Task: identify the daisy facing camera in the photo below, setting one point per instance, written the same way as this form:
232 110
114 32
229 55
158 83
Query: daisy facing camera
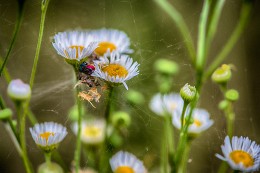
241 154
48 135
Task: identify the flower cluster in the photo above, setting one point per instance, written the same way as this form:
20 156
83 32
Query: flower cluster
103 53
172 104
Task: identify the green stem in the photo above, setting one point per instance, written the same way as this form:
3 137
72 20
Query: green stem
78 142
14 37
48 159
170 134
184 159
109 108
32 117
183 113
214 23
184 135
22 138
109 103
11 129
230 116
5 72
164 149
223 167
201 49
181 25
245 12
44 8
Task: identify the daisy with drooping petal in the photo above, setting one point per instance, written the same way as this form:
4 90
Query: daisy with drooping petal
93 131
48 135
74 45
124 162
200 121
242 154
166 104
116 69
111 40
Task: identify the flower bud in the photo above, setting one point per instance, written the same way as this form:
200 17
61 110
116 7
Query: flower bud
5 114
116 140
222 74
50 168
121 118
232 95
73 112
223 105
166 66
135 97
188 93
18 90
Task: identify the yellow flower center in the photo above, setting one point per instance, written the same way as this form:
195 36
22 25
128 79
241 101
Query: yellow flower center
197 123
115 70
78 49
103 47
239 156
46 135
92 131
173 106
124 169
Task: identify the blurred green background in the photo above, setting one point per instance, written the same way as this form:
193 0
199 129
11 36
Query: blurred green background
153 35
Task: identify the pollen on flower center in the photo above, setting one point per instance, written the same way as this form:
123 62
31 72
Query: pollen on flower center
46 135
242 157
115 70
78 49
124 169
92 131
103 47
173 106
197 123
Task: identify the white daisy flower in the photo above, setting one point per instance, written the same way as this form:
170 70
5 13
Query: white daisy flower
111 40
93 131
48 135
201 121
116 69
74 45
242 154
124 162
166 104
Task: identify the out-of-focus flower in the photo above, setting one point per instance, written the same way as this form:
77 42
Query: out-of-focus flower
93 131
200 121
241 154
166 104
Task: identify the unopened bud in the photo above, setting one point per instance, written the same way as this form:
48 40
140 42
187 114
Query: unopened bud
222 74
49 168
232 95
135 97
18 90
223 105
74 114
188 93
121 118
5 114
166 66
116 140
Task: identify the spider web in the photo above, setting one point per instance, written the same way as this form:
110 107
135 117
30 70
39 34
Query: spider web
153 35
